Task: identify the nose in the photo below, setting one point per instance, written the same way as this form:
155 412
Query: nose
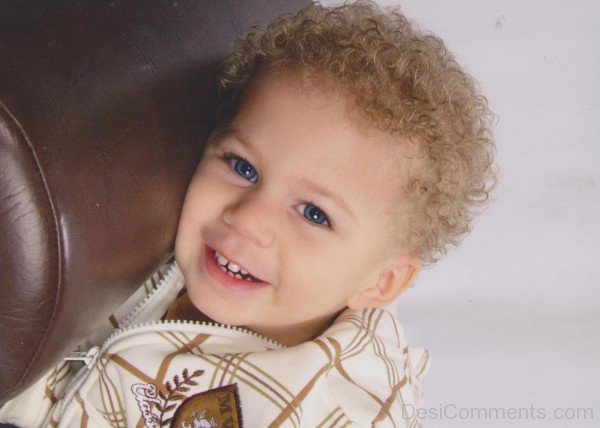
251 218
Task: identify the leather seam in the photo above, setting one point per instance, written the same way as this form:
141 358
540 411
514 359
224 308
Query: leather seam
57 292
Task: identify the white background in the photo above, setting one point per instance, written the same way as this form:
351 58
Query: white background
511 317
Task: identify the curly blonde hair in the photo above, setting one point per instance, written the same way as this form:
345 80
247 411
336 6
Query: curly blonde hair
405 82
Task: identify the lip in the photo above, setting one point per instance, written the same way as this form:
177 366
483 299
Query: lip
231 283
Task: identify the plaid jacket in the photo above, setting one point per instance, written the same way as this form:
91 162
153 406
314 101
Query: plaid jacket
153 373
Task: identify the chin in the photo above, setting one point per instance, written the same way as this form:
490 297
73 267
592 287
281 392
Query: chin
218 313
221 318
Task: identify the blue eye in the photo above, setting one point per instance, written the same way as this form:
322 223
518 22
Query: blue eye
316 215
242 167
245 169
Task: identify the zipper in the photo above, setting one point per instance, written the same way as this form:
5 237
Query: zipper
156 292
165 325
126 328
86 358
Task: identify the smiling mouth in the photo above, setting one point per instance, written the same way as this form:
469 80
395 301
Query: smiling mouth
226 277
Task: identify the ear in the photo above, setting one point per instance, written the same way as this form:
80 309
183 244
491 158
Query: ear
395 278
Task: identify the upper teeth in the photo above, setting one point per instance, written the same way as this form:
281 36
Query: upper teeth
232 266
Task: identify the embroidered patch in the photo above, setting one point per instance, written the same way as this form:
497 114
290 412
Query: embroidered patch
156 406
219 407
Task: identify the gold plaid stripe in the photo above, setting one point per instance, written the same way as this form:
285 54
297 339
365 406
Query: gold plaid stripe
112 406
84 416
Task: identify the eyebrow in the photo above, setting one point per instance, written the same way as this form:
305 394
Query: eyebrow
314 187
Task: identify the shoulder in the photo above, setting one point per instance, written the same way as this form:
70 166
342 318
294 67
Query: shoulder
368 326
375 376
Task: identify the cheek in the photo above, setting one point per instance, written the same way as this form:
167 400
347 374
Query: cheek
203 193
199 203
319 273
346 265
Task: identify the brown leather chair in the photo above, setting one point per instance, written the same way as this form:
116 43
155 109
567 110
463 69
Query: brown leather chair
104 107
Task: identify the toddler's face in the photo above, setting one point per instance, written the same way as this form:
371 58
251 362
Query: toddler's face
260 198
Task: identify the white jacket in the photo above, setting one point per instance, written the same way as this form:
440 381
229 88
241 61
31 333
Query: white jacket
154 373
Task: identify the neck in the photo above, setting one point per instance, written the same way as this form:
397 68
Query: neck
295 334
288 335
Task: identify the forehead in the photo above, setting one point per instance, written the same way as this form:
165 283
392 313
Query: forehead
301 133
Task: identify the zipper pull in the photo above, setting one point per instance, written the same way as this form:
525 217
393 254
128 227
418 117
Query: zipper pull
86 358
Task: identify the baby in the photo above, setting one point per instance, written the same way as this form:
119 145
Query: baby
350 150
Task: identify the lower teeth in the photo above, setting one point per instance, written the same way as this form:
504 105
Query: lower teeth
231 274
237 275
